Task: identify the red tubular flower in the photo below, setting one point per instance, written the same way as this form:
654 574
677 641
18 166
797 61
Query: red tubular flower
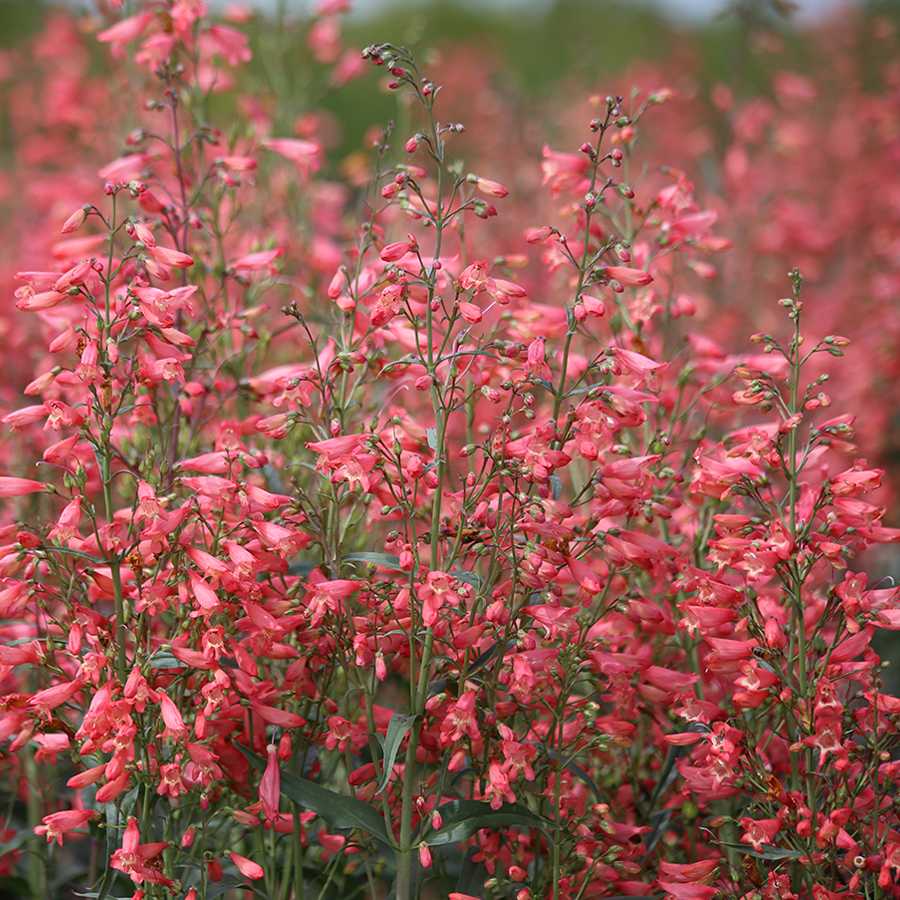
627 276
19 487
760 831
169 257
307 155
58 824
491 188
247 867
133 856
175 728
270 785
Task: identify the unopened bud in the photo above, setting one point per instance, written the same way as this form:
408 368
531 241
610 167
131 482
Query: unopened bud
76 220
539 235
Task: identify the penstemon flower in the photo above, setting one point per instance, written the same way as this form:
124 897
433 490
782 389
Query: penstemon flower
412 547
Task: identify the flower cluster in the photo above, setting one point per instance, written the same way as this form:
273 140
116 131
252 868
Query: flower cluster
383 547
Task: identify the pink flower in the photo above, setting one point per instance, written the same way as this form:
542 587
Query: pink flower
469 311
306 154
459 720
760 831
133 856
227 43
175 729
75 221
270 785
58 824
50 698
74 276
491 188
258 262
628 277
19 487
247 867
539 235
396 252
498 788
565 172
169 257
536 363
124 32
476 278
25 416
126 168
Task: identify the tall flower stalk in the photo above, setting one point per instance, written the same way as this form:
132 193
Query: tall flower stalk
391 549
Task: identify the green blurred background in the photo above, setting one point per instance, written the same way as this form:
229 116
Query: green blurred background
539 42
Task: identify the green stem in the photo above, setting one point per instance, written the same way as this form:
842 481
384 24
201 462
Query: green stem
37 858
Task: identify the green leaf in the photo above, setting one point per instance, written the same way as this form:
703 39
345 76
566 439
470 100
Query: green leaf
68 550
229 884
556 486
585 389
15 885
570 764
387 560
575 769
659 821
462 818
299 567
768 852
243 885
472 578
101 894
669 771
26 834
472 875
162 659
488 656
273 477
339 810
396 731
431 434
115 814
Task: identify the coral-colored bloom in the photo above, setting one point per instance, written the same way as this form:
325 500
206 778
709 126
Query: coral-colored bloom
19 487
247 867
133 856
58 824
306 154
459 720
628 277
175 728
270 785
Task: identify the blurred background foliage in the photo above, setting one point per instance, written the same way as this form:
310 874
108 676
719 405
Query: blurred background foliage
577 43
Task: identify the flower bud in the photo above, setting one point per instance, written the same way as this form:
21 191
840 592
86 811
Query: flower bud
76 220
539 235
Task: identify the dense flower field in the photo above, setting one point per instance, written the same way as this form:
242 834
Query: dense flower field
485 515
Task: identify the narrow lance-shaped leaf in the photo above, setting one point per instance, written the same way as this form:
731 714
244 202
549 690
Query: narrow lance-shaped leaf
397 729
767 852
387 560
339 810
572 766
462 818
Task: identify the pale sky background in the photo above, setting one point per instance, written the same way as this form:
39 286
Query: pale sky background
679 10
